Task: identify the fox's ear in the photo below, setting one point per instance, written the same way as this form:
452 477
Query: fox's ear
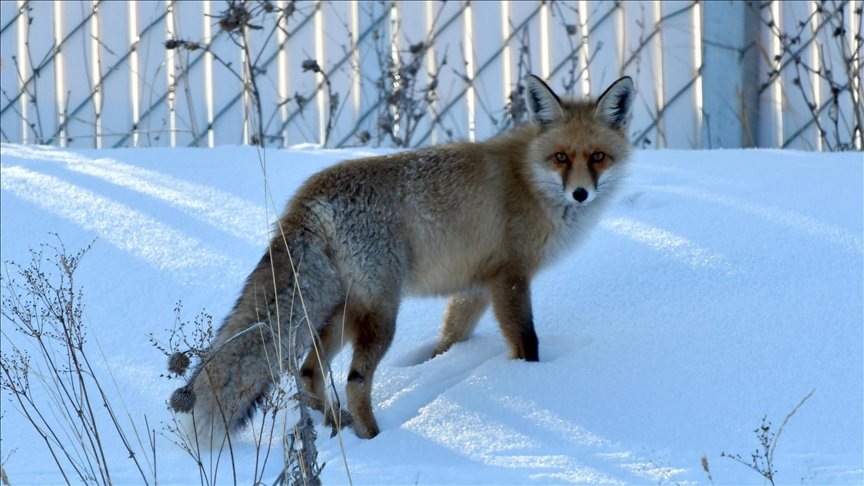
543 104
614 105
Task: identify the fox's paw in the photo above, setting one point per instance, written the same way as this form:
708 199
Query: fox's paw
337 419
441 348
365 430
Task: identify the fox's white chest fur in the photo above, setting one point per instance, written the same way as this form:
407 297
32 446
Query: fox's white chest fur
573 223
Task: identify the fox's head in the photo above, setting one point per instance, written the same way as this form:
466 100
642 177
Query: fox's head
581 144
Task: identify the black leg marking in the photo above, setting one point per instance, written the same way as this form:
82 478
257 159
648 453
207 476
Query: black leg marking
355 375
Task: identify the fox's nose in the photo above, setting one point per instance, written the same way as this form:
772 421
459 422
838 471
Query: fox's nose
580 194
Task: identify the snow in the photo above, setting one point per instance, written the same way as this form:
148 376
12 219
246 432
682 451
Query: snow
721 287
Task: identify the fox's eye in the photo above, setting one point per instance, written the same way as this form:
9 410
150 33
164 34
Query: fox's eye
598 157
562 157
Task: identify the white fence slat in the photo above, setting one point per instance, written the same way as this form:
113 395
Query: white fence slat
42 111
835 48
95 74
23 71
566 30
529 37
372 31
815 81
10 122
641 66
490 93
188 112
603 45
856 45
304 127
724 39
659 74
152 78
830 51
452 110
543 34
134 88
679 71
113 45
470 70
265 48
584 49
337 42
208 62
796 113
59 69
413 24
772 131
78 63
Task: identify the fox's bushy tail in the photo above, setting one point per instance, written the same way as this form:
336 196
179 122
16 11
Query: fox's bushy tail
292 293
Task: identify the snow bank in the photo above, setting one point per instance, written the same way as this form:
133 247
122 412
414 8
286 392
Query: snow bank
722 287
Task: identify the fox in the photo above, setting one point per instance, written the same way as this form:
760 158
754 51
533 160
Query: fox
475 221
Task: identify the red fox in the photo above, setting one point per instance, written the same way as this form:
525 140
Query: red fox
471 220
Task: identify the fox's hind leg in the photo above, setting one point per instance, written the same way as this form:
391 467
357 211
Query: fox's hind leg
313 373
461 318
373 333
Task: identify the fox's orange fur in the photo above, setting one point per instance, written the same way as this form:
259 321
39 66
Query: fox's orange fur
471 220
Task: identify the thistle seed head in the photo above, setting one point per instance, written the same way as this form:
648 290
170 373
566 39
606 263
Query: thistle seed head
178 363
182 400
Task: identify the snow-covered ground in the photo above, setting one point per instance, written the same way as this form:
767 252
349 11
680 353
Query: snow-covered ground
722 287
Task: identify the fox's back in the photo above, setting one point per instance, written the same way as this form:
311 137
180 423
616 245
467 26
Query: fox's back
437 213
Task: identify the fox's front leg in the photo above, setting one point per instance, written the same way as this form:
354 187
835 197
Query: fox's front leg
511 302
